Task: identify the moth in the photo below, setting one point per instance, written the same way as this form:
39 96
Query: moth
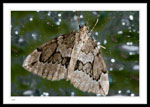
73 56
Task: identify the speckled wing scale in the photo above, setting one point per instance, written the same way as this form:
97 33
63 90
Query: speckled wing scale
73 57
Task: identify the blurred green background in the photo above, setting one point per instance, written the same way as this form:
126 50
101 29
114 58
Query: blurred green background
118 31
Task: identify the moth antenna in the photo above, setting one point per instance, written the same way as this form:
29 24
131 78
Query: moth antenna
94 26
102 47
78 18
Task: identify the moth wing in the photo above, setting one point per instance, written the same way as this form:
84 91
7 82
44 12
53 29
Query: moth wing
90 73
51 59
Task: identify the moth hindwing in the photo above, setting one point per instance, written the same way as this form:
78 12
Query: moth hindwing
75 57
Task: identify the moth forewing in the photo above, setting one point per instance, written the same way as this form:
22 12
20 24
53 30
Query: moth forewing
73 56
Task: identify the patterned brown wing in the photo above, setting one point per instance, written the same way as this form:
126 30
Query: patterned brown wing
51 59
88 71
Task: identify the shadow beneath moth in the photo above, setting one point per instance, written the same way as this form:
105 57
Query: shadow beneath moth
75 57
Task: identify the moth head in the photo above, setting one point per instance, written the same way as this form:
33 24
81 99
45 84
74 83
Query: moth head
84 28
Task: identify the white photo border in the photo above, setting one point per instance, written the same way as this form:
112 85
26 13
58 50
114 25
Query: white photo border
8 7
